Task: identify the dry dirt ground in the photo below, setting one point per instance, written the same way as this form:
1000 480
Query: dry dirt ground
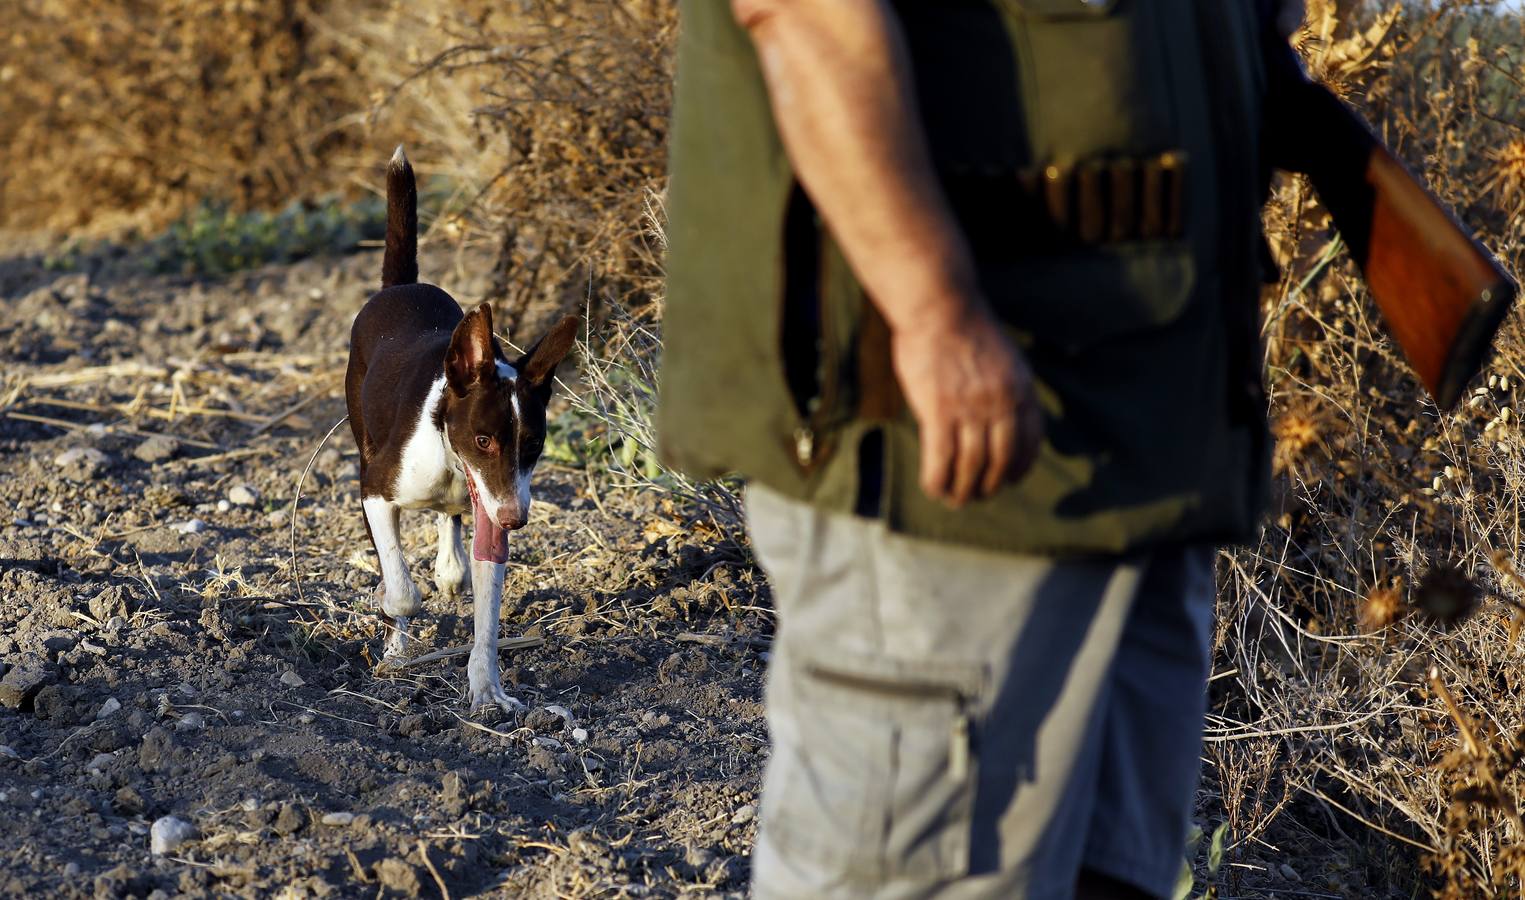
160 655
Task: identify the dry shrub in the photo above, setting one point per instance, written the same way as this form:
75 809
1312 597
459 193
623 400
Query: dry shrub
547 119
128 114
1385 719
556 115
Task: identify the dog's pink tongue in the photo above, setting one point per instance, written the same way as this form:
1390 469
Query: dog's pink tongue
489 543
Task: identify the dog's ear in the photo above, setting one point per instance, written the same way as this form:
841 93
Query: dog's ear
539 364
470 358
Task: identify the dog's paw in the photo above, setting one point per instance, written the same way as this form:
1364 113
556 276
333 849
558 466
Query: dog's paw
487 685
492 697
395 652
451 591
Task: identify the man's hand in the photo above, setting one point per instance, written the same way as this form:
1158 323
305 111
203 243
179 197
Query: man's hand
839 79
972 395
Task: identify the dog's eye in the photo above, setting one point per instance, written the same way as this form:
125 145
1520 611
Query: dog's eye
484 442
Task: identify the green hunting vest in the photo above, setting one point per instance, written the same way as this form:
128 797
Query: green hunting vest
1102 158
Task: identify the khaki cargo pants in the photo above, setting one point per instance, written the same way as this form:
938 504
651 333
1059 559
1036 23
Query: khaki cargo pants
953 723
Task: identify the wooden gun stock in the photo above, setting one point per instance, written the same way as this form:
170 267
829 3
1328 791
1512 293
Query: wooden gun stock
1442 295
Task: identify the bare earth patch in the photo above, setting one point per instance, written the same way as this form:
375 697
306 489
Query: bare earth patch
158 657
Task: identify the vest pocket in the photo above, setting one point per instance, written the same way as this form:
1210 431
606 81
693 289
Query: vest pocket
1074 301
1094 77
885 786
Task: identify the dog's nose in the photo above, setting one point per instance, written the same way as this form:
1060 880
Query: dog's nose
511 519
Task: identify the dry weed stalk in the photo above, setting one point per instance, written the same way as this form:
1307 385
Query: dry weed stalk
1330 668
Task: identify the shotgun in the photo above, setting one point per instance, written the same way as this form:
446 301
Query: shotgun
1441 293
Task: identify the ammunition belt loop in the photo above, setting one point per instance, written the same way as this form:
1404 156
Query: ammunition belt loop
1109 201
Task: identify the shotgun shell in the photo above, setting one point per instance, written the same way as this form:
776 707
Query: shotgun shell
1123 220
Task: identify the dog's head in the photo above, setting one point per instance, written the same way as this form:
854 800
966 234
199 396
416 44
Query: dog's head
494 414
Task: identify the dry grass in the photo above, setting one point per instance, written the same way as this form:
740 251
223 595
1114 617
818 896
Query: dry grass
1341 694
128 114
555 113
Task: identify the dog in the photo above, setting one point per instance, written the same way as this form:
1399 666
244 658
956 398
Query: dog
443 422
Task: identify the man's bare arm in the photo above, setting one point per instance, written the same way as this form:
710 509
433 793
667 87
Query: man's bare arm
839 79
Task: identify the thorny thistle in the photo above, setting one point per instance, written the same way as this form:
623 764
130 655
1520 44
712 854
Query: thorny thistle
1508 176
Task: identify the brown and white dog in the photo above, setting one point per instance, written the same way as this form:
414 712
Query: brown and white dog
443 422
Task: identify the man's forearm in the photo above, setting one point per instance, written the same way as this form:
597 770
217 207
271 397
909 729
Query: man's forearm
840 82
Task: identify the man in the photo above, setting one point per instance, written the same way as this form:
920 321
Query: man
966 291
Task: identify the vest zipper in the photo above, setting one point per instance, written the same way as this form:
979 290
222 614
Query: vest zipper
828 363
804 445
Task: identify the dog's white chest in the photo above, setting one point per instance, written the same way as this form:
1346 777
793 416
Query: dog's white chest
429 476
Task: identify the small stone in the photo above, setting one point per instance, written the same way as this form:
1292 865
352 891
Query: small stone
563 713
25 678
111 707
110 604
190 526
544 760
170 834
157 449
223 506
128 801
453 794
71 869
9 752
745 814
397 875
243 495
542 720
1289 873
157 750
60 642
191 721
580 735
290 819
80 463
292 679
338 819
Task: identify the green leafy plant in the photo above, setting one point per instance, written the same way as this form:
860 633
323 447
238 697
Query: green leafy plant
215 240
1186 882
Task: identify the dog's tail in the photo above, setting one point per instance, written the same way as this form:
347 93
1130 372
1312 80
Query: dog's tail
399 265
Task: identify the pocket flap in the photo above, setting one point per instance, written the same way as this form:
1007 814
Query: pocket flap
1063 9
954 680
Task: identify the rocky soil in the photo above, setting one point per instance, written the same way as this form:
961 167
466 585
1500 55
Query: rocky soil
189 701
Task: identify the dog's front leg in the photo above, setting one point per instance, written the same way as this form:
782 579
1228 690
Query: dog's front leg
482 667
450 558
399 595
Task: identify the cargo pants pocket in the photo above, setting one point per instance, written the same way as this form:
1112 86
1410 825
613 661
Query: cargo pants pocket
878 773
